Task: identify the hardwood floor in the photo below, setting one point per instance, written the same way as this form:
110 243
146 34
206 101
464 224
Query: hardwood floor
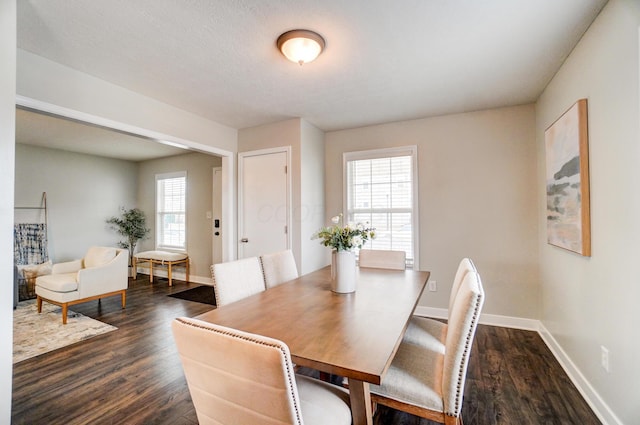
133 375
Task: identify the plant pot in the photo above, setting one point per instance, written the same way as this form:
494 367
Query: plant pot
343 272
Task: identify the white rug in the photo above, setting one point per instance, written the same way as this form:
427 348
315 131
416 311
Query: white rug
35 334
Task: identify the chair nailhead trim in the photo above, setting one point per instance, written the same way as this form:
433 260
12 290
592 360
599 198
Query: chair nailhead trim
465 354
282 351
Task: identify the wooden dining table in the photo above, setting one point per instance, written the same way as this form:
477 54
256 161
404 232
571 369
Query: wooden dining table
352 335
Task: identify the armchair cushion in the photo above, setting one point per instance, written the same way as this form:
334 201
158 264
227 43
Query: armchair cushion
98 256
62 282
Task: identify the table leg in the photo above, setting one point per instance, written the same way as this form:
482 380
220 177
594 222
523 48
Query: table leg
360 402
150 271
135 268
169 272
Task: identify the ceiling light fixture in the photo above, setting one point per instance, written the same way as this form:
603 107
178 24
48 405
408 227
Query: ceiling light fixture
300 46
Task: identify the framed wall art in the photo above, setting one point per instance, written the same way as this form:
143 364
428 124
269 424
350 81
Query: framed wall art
567 181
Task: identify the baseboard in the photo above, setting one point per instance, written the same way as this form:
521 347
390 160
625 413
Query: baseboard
593 399
178 275
485 319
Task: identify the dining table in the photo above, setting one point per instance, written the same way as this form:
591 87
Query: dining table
353 335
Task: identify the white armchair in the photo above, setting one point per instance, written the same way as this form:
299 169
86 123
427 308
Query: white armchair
101 273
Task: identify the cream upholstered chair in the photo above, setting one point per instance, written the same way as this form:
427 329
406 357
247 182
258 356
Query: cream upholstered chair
101 273
278 267
237 279
382 259
424 327
427 378
236 377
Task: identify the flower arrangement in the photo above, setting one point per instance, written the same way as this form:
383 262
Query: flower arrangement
345 238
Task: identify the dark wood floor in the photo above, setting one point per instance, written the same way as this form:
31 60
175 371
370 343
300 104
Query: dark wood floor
133 375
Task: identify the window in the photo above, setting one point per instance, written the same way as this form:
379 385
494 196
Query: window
381 190
171 223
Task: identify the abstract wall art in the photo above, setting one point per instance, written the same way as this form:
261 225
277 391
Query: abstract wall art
567 181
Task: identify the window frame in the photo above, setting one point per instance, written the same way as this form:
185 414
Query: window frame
158 221
411 151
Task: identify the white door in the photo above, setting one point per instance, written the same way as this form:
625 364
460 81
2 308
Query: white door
217 216
263 202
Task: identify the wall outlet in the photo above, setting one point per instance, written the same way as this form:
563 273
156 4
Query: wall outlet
604 358
433 286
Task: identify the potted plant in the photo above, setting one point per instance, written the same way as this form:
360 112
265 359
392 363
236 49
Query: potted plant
132 225
343 239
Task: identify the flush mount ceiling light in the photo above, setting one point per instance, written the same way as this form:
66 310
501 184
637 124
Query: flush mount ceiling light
300 46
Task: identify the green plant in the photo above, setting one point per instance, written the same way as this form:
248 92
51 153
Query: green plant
344 238
132 225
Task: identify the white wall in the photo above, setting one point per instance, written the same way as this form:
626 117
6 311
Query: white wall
589 302
477 198
312 208
7 141
199 168
82 192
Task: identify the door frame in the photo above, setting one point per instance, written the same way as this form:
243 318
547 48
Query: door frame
213 217
267 151
229 243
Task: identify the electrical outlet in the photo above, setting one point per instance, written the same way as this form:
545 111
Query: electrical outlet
604 358
433 286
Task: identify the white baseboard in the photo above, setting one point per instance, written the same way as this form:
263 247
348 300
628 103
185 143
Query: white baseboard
178 275
485 319
593 399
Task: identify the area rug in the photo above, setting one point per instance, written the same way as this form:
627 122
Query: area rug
35 334
201 294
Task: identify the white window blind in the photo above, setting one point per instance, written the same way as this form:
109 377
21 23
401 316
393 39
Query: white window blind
171 193
380 190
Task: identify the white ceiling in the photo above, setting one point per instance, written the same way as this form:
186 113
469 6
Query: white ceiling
384 60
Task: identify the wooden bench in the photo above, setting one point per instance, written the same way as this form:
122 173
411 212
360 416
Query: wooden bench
162 258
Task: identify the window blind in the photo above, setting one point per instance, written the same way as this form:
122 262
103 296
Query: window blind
171 211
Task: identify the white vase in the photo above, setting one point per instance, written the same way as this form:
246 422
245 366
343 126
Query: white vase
343 276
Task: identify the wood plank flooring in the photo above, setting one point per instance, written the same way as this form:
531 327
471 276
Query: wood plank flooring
133 375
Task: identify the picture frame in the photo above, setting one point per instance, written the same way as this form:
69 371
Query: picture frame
567 181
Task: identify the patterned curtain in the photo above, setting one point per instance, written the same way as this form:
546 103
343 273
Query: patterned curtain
30 243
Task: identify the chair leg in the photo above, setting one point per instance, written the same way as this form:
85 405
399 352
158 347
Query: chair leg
64 313
124 299
169 273
39 303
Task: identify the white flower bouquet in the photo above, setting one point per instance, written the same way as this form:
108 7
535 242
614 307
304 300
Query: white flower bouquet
345 238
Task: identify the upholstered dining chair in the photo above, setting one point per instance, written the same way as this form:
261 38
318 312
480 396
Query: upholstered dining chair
236 377
427 378
382 259
237 279
423 327
278 267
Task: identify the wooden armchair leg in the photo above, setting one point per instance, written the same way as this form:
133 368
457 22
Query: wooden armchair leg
39 303
64 313
124 299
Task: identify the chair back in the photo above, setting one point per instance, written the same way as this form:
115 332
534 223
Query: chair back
461 329
235 377
278 267
382 259
466 265
235 280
